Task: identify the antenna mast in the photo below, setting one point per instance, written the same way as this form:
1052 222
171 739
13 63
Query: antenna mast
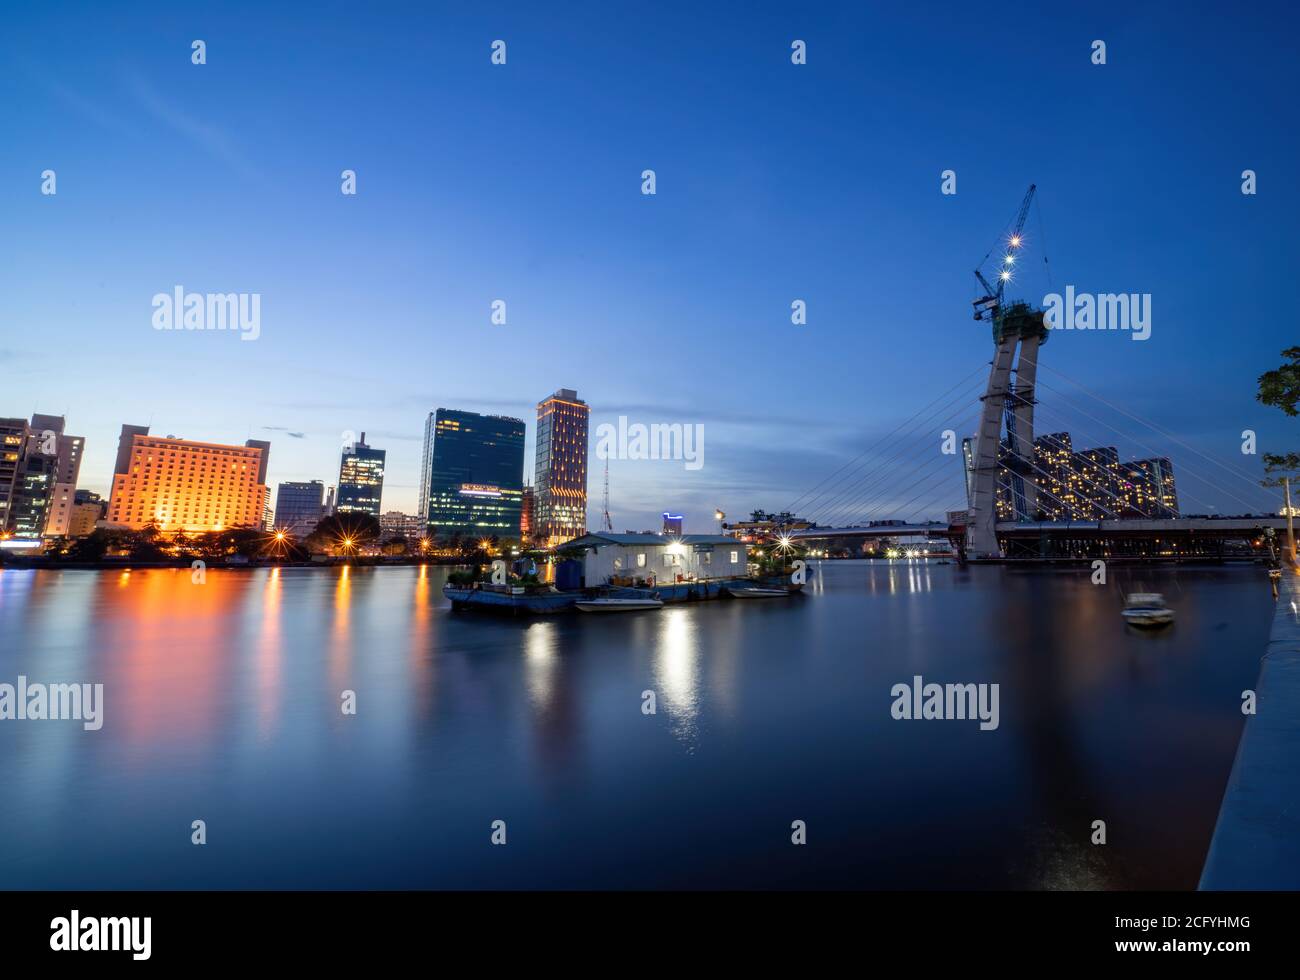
606 522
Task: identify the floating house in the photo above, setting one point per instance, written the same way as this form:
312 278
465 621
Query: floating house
658 560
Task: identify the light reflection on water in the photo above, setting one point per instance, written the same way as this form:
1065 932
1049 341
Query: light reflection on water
223 702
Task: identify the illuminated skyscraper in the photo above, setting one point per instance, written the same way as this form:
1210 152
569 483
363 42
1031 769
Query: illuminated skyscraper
182 485
527 516
561 481
1148 487
13 440
361 479
39 464
1089 484
476 486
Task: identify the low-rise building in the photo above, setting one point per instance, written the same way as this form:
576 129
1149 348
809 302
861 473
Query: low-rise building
660 559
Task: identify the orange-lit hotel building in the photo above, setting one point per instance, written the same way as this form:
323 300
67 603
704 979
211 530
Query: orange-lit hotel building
187 486
560 504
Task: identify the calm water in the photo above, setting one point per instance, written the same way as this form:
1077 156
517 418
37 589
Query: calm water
222 704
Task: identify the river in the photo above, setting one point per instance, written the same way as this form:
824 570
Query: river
223 703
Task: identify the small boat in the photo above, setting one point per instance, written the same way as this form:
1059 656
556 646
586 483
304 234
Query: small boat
1147 609
756 592
617 605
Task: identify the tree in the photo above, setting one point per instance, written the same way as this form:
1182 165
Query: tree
344 533
1280 388
94 545
1288 468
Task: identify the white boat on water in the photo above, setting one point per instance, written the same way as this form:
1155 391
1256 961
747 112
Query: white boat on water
617 605
756 592
1147 609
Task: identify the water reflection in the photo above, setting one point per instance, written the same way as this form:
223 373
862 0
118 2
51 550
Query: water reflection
223 698
677 671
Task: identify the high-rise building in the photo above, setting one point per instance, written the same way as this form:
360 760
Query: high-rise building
178 484
361 479
1087 485
527 515
426 464
561 472
1148 487
299 507
476 486
13 442
37 497
69 450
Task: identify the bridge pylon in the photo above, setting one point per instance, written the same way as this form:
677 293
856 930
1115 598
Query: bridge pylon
1018 327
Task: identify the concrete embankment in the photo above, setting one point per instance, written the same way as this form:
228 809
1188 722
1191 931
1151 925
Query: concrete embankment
1256 843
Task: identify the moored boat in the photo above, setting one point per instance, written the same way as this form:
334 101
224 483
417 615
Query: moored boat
1147 610
756 592
609 604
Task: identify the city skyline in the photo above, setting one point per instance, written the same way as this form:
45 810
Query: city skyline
764 197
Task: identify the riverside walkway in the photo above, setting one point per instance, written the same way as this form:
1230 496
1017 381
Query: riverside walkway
1256 843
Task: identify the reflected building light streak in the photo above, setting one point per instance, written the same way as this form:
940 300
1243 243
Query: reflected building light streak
268 655
540 664
341 633
422 674
677 671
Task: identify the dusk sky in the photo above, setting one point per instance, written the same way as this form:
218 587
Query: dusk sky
522 182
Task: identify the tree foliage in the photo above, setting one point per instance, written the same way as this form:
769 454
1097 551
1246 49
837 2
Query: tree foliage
1280 388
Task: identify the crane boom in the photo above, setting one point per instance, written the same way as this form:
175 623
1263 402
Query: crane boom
990 304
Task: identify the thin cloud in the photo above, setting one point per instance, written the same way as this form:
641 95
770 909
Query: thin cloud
206 136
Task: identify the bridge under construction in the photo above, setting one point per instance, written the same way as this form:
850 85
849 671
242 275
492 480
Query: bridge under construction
1027 497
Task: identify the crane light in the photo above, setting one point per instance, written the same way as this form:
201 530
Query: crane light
1015 241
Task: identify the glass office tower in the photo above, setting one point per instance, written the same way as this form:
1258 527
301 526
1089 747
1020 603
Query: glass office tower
361 479
476 486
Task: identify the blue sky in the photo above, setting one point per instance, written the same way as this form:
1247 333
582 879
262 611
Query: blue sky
522 182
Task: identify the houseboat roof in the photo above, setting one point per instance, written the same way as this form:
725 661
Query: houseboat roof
607 538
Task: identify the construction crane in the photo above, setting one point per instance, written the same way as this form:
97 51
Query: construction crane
990 304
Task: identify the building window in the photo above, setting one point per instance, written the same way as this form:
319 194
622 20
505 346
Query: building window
640 559
735 557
